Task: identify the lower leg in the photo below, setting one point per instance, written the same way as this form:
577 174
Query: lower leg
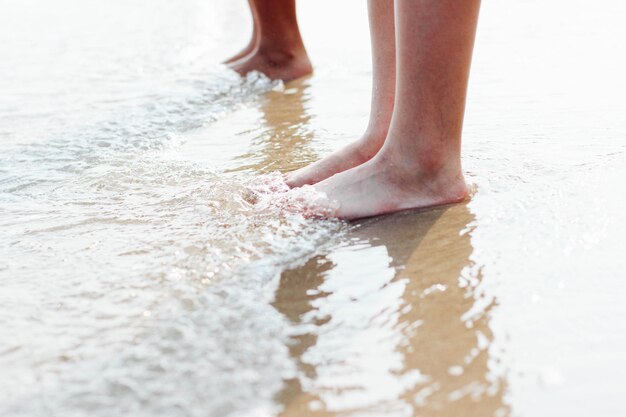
382 34
279 51
253 40
419 164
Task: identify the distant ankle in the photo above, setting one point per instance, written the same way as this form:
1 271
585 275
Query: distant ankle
282 54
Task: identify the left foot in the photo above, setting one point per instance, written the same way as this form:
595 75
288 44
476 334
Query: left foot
356 153
385 184
276 65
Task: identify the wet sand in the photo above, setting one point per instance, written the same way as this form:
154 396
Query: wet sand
135 278
383 322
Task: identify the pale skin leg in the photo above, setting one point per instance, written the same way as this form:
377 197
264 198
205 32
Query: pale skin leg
382 33
279 52
253 40
419 165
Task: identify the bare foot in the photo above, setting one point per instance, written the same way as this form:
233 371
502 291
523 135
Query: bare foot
343 159
384 185
276 65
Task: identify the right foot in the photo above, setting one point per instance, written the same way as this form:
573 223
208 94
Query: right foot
341 160
276 65
390 183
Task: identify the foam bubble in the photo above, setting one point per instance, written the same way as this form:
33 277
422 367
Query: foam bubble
271 192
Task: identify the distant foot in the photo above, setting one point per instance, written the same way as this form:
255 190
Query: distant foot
341 160
385 185
276 65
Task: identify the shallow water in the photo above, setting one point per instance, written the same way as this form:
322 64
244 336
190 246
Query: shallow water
138 277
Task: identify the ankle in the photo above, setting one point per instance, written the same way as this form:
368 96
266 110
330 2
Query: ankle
423 155
282 54
441 170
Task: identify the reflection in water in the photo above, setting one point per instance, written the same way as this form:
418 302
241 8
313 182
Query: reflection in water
281 143
382 323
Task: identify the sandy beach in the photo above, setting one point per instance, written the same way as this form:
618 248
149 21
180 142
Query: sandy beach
138 279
